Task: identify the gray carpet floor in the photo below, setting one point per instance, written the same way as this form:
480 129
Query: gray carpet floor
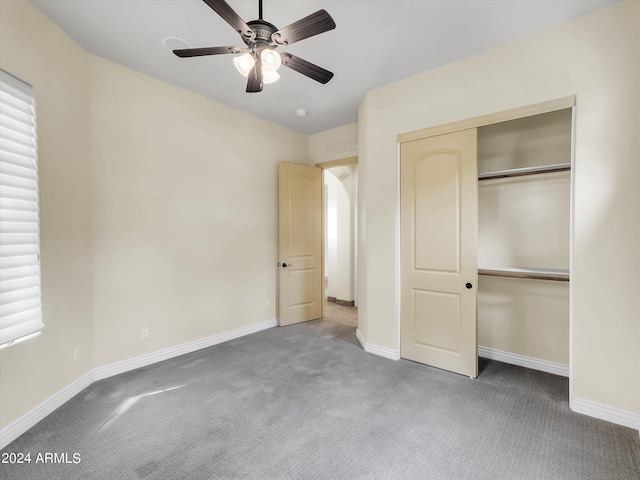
305 402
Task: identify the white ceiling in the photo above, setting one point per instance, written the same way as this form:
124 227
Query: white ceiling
376 42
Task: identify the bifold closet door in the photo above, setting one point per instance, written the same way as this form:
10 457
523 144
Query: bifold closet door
439 236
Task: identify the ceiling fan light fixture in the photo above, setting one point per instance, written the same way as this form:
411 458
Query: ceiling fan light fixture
269 76
262 38
244 63
271 60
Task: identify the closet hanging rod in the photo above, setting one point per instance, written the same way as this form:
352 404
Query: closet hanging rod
518 172
530 273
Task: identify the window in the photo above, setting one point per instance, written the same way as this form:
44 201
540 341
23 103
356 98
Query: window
20 307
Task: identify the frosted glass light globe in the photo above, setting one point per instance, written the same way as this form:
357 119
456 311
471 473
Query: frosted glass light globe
269 77
271 60
244 63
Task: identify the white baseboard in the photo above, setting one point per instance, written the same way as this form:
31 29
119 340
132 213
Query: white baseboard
523 361
28 420
376 349
603 412
171 352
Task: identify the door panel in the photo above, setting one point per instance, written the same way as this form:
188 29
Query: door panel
440 307
438 229
300 243
301 287
301 223
439 218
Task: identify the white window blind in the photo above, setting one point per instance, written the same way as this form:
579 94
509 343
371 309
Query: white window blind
20 307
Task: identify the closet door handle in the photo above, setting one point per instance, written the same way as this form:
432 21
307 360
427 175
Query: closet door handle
469 286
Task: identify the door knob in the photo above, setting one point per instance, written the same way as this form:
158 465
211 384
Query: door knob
468 285
285 265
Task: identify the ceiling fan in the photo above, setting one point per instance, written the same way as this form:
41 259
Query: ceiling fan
260 60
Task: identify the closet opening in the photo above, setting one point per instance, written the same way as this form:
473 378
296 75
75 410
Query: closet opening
524 218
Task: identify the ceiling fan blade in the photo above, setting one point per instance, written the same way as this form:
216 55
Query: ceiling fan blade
230 16
254 83
199 52
311 25
312 71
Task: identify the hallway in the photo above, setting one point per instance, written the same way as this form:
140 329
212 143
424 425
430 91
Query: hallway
339 321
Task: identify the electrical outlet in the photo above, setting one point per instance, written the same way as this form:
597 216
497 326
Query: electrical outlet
268 304
77 352
144 333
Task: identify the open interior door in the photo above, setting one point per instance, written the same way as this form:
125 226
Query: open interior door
439 236
300 243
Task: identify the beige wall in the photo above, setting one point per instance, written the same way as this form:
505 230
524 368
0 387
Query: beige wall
340 142
594 57
35 50
185 213
158 209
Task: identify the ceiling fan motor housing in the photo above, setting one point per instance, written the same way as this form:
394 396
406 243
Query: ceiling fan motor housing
264 32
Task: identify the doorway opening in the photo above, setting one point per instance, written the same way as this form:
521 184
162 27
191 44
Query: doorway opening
340 234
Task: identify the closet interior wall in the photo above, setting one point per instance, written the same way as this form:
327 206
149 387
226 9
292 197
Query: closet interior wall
524 221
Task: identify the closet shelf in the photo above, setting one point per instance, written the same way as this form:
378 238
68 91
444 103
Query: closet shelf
531 273
518 172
